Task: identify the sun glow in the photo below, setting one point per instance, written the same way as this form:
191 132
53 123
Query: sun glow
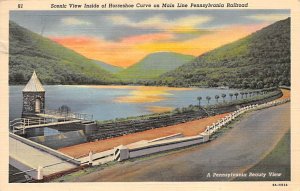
129 50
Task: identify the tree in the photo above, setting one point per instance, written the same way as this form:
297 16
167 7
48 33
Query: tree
217 98
177 110
64 109
246 93
230 94
199 99
250 94
242 93
19 77
208 99
223 96
260 85
236 95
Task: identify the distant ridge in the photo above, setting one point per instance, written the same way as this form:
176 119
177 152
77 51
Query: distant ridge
153 65
108 67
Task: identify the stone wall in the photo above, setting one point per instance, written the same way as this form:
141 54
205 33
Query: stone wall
61 140
220 110
119 128
29 99
114 129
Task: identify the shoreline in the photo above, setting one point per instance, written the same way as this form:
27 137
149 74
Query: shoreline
187 129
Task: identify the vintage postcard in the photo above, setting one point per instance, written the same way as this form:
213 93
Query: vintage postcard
179 95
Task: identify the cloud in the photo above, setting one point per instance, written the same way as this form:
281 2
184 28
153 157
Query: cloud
160 22
122 53
268 17
75 21
154 37
205 43
119 20
130 50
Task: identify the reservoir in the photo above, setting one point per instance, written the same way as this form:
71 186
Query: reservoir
110 102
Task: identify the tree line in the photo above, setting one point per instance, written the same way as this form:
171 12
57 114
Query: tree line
244 95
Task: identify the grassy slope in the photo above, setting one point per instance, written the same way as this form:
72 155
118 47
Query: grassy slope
278 160
259 60
153 65
108 67
54 63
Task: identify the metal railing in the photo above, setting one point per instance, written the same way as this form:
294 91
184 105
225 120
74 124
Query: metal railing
73 115
47 117
21 124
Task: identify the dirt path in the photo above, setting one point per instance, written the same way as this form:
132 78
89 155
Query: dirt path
234 152
187 129
286 94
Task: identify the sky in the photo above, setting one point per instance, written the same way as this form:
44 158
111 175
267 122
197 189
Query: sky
124 37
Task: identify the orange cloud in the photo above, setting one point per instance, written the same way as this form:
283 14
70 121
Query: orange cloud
123 53
204 43
130 50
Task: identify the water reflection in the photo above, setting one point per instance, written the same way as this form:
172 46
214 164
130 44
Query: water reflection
144 94
159 109
110 102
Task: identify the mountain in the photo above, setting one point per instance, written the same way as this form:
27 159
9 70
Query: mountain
108 67
259 60
153 65
53 63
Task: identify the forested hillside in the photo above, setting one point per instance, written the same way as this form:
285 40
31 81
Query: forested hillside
259 60
53 63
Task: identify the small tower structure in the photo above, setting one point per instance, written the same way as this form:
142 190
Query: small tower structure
33 97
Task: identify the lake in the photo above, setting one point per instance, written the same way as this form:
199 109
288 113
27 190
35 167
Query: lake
110 102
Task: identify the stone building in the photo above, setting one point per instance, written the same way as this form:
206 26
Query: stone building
33 97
